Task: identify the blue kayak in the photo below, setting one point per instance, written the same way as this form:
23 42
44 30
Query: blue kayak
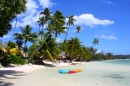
63 71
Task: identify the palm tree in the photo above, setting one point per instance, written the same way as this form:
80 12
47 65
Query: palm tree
92 53
41 22
84 53
44 20
73 47
78 29
69 22
47 13
19 6
109 56
49 48
95 41
56 25
26 36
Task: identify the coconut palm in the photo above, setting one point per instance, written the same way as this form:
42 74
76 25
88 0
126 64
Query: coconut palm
41 22
95 41
47 13
78 29
92 53
84 53
109 56
49 48
56 25
73 47
69 23
46 16
26 36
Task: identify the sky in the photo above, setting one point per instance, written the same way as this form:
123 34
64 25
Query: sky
107 20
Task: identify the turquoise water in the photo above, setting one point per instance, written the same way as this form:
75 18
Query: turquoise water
118 61
101 73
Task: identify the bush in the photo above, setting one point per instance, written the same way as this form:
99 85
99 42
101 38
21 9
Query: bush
16 60
3 61
31 60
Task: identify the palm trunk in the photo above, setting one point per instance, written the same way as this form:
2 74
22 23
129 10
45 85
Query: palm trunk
66 33
75 58
25 48
39 47
15 25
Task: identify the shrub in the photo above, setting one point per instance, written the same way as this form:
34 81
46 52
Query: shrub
3 61
31 60
16 60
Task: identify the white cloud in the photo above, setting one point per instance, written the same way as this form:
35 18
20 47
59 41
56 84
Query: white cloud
108 37
59 40
90 20
8 35
31 15
108 2
46 3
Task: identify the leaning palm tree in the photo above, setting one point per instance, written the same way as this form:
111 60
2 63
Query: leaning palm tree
49 48
69 23
26 36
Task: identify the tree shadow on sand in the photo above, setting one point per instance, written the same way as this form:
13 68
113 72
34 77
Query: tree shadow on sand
9 74
2 83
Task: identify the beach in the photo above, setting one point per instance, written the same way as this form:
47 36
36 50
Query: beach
93 74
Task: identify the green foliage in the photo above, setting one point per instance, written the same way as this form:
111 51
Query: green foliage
3 61
8 11
25 36
31 60
15 60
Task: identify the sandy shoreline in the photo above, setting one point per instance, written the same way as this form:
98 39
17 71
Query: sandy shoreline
93 74
7 72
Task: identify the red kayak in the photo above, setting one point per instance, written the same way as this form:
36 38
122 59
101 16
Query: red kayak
74 71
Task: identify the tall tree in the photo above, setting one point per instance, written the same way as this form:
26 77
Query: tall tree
78 29
69 23
26 36
95 41
41 22
57 23
46 16
92 52
47 13
73 47
8 11
49 48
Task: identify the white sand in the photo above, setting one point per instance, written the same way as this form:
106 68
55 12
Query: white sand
29 68
93 74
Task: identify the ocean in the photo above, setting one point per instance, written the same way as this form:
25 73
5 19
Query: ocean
98 73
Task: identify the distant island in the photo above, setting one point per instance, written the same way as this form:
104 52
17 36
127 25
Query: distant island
122 56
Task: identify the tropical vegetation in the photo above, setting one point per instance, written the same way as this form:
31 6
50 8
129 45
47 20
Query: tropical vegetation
43 43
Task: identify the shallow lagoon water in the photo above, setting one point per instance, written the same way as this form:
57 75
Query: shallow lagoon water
100 73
